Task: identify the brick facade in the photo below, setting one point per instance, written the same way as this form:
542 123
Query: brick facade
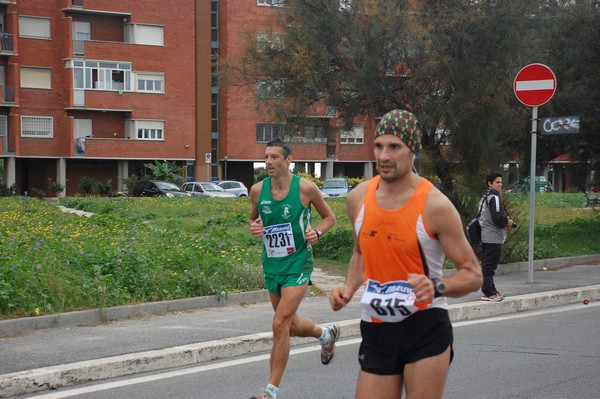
240 20
109 105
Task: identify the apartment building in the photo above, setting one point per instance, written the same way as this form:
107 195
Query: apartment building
243 131
97 88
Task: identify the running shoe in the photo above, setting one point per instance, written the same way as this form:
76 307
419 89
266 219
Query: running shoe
492 298
264 395
328 350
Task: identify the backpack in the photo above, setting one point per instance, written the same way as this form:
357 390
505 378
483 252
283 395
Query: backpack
473 228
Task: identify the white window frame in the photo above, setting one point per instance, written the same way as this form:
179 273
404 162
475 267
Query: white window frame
35 78
271 3
98 75
34 28
37 126
149 82
266 132
149 130
356 135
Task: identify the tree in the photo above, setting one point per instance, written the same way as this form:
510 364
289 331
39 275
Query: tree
166 171
451 62
572 29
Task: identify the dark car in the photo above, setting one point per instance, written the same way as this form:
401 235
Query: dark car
153 188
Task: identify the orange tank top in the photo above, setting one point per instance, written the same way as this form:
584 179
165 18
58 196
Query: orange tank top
397 242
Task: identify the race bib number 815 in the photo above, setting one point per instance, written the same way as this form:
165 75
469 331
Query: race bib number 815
390 302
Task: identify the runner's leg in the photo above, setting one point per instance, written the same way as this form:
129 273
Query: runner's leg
426 378
379 386
285 322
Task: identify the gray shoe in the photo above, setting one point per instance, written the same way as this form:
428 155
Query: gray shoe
264 395
328 350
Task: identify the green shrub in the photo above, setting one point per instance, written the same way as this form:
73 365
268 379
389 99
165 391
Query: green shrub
105 189
88 185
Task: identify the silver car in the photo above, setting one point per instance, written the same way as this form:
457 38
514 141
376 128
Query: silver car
236 187
335 187
205 189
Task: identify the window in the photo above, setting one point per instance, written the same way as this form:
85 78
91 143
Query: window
145 130
269 89
102 75
354 136
271 3
150 82
36 126
152 35
269 41
214 113
36 78
314 131
268 132
214 21
3 125
34 27
82 31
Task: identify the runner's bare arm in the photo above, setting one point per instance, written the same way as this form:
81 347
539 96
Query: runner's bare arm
310 194
256 227
444 222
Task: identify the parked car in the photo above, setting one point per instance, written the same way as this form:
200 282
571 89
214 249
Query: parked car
335 187
205 189
236 187
522 186
154 188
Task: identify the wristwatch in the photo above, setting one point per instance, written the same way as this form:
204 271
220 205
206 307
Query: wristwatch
319 234
439 287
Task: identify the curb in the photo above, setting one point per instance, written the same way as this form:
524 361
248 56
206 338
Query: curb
31 381
97 316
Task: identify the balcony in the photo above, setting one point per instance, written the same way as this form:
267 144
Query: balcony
7 43
80 146
8 95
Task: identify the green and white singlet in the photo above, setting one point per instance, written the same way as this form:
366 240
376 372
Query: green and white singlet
285 249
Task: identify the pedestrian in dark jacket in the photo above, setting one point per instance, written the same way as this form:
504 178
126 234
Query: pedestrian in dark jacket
493 220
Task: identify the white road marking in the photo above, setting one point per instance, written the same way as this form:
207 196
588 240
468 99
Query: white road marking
296 351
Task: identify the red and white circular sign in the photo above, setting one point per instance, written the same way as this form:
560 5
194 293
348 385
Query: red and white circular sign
535 85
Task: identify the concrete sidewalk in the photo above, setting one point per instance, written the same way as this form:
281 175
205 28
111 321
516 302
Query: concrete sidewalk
35 360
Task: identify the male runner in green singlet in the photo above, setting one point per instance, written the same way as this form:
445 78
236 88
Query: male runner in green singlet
280 215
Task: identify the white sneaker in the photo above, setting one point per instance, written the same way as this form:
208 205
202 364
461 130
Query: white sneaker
328 350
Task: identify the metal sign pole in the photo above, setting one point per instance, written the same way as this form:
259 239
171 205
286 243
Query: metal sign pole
534 121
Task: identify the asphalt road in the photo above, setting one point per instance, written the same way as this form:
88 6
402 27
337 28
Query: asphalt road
550 354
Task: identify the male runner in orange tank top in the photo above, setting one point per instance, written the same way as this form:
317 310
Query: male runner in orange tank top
403 229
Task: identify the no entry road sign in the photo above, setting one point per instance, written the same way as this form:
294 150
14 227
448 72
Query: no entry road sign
535 85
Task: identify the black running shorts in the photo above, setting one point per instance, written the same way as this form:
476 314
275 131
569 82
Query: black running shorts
387 347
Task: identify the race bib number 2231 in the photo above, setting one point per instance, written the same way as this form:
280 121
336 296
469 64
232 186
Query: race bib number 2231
279 240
